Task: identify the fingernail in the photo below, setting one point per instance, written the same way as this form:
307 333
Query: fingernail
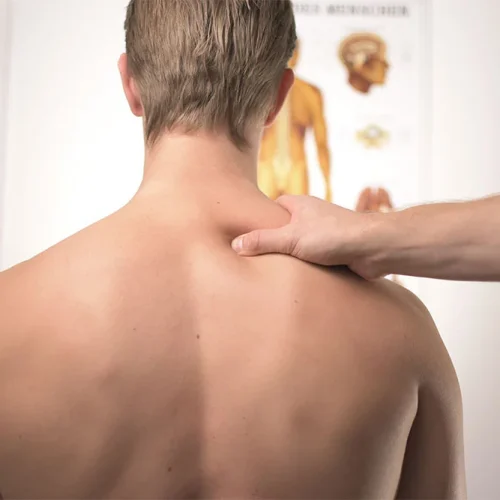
237 245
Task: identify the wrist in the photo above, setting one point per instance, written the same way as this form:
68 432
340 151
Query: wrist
375 243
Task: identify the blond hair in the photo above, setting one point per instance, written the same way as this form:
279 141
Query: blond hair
203 64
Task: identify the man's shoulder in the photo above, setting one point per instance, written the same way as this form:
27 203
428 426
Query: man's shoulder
85 245
337 288
26 291
376 296
381 311
403 325
341 320
55 271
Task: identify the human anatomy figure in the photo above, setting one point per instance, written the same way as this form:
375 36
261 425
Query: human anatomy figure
283 162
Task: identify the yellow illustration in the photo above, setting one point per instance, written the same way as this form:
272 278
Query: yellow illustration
373 136
374 200
364 55
283 160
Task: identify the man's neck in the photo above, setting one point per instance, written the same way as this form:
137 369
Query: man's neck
206 181
187 162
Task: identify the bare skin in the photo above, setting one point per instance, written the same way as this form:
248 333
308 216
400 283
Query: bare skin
450 241
142 358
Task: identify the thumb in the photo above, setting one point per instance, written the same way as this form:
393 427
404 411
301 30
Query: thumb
289 202
264 242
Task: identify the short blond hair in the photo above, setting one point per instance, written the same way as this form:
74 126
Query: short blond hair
203 64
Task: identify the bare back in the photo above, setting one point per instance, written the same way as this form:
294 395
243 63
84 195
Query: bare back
144 359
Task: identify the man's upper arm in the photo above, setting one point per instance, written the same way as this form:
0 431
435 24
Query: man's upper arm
434 460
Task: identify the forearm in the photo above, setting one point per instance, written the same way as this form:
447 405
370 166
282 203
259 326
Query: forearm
456 241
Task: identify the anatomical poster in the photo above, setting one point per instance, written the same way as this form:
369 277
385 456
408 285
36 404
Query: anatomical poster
353 129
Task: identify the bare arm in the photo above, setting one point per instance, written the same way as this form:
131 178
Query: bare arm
455 241
458 241
434 461
433 465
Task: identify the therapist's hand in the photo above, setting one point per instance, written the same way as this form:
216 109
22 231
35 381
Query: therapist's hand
319 232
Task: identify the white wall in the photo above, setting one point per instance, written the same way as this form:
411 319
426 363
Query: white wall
466 164
74 151
4 58
74 155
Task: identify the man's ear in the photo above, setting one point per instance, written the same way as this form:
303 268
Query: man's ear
130 88
286 84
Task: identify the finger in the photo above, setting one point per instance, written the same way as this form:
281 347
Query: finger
365 271
264 242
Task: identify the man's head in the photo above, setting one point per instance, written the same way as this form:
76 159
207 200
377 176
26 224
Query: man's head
207 64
